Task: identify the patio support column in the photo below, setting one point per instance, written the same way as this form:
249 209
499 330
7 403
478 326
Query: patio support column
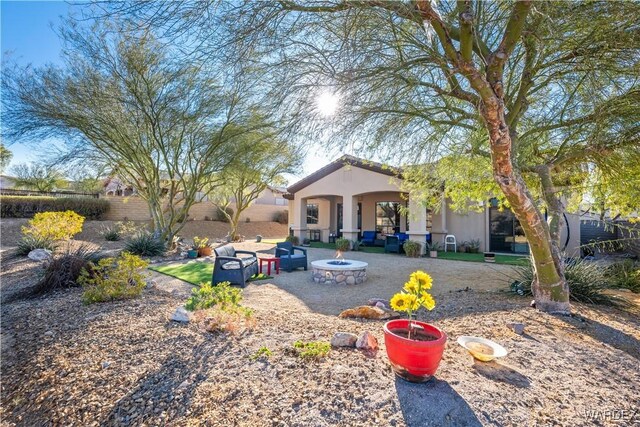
300 218
418 223
350 217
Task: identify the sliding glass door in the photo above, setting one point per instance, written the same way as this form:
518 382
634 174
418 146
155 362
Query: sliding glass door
505 232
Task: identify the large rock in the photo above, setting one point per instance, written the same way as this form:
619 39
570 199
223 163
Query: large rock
181 315
40 255
368 312
344 339
367 342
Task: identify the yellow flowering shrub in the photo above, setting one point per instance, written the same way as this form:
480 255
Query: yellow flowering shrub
414 294
54 225
113 278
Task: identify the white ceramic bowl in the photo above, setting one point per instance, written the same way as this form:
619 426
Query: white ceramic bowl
482 349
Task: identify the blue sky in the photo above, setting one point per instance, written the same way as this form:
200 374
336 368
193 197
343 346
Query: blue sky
28 37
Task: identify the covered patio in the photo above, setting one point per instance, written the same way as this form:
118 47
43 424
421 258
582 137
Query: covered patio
350 196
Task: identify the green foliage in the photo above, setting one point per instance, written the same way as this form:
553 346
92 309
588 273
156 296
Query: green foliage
587 282
281 217
144 244
625 275
54 225
111 233
435 246
473 246
113 278
294 240
38 176
223 295
27 206
5 157
412 248
224 213
262 352
199 243
311 349
29 243
342 244
65 269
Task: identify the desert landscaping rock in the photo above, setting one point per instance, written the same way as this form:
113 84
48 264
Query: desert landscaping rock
516 327
367 342
181 315
369 312
40 255
344 339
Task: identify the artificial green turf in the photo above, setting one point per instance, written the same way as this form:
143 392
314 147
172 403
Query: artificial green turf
195 272
456 256
479 257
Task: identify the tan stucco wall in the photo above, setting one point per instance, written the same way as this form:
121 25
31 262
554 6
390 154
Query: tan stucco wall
135 209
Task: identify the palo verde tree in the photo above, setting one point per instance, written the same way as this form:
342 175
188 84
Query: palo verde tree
38 176
5 157
528 89
261 160
163 124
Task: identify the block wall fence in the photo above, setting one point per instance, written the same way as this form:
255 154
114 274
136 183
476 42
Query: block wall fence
135 209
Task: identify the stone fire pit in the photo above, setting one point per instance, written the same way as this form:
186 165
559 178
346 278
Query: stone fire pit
341 272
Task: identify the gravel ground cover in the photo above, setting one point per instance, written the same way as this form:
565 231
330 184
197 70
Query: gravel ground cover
126 363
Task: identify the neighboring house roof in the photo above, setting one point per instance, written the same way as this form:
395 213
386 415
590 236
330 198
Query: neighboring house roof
345 160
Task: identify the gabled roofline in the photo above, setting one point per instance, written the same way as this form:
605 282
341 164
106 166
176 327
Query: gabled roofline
337 164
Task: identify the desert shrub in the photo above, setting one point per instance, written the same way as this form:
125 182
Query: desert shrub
355 245
29 243
28 206
312 349
625 275
224 296
473 246
217 320
294 240
54 225
587 281
281 217
129 228
412 248
262 353
64 269
111 233
220 216
145 244
113 278
343 245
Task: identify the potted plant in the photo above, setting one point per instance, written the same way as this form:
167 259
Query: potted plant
192 253
489 257
306 242
202 246
414 348
434 247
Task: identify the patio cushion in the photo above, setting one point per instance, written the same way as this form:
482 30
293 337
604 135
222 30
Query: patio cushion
235 265
226 250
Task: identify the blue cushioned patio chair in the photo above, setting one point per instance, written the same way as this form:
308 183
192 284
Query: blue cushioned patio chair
229 267
289 259
392 244
368 238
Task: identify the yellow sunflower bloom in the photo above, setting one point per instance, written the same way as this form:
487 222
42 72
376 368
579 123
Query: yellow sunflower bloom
427 301
412 302
422 278
399 302
411 286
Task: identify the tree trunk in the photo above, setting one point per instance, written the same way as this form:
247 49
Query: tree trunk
550 289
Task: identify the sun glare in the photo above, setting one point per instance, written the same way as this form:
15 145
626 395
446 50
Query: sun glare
327 103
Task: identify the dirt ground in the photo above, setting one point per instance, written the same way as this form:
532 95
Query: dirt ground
126 363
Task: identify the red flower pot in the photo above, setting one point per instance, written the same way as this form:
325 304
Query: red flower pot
413 360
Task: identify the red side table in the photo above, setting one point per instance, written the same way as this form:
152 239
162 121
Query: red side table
274 260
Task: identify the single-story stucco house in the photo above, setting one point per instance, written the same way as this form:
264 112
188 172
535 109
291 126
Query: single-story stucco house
352 195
